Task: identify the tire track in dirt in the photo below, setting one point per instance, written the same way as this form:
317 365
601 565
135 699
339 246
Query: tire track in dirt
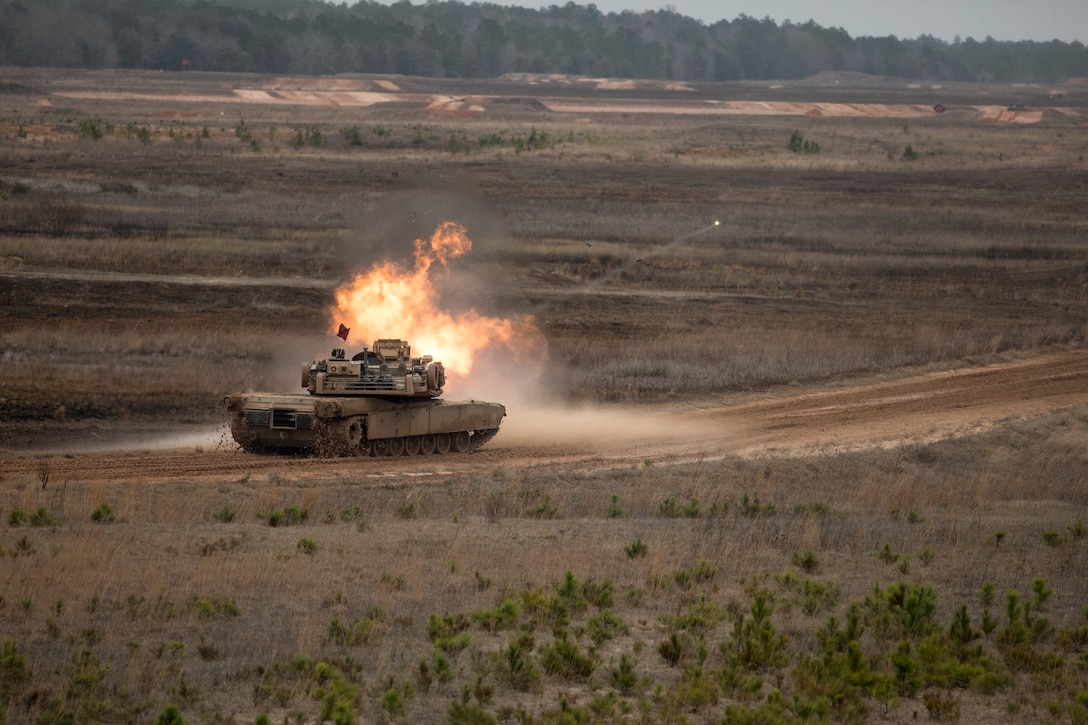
856 415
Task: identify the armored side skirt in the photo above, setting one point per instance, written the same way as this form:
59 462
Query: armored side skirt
438 416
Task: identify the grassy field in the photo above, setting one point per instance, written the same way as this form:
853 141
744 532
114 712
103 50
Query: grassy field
165 240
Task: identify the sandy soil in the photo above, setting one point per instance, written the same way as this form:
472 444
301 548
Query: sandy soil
358 94
862 414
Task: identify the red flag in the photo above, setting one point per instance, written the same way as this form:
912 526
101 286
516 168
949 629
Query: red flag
343 333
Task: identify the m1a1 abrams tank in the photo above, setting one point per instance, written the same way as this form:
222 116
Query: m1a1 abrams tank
381 402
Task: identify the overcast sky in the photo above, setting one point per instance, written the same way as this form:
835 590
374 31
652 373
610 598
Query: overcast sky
1041 20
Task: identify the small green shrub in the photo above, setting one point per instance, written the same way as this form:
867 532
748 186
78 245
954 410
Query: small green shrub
516 665
393 582
623 677
752 507
462 712
307 546
565 659
288 516
545 510
90 128
42 517
103 514
395 699
483 583
672 649
807 561
1053 538
170 715
1077 530
817 597
941 706
38 517
225 514
571 594
208 652
407 509
352 136
599 594
504 615
447 631
605 626
352 514
671 508
12 666
636 549
206 608
799 145
614 510
336 694
359 632
309 136
23 546
756 645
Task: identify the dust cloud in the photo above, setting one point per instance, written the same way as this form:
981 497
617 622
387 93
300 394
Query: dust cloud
541 424
102 439
537 414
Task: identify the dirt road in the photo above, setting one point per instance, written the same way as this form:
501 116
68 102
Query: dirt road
914 409
791 421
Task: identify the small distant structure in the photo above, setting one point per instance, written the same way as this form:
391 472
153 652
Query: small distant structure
939 108
186 64
1015 107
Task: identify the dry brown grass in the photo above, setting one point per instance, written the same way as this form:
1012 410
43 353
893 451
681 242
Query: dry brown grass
139 283
130 591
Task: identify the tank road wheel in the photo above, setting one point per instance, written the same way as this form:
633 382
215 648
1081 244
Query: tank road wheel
380 447
396 447
412 445
427 444
364 448
461 439
442 443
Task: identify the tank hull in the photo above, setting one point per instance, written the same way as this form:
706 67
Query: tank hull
271 422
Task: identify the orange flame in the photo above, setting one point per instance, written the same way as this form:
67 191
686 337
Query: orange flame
391 301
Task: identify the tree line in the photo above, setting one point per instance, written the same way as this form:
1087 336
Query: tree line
454 39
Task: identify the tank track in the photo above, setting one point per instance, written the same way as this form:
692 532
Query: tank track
345 437
433 443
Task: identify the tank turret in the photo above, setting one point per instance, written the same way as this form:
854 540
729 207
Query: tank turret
386 370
